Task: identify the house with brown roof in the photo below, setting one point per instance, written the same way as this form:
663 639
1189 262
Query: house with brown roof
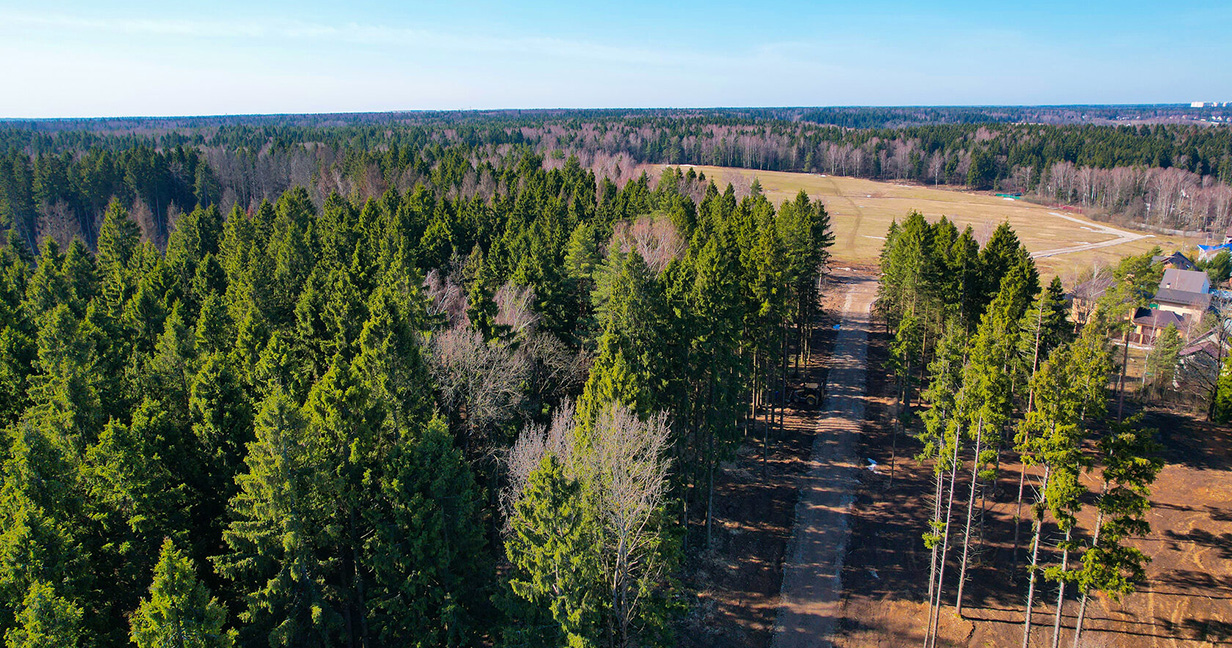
1149 323
1174 260
1086 295
1186 280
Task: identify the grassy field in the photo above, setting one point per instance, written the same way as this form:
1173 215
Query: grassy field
861 211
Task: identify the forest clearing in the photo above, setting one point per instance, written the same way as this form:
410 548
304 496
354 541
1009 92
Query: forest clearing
1183 601
1185 598
861 210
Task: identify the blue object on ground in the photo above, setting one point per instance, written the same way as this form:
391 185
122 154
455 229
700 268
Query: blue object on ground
838 326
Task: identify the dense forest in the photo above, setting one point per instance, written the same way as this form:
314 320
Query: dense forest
434 417
989 369
57 176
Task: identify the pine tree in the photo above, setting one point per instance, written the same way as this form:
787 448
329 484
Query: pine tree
1044 328
988 388
906 349
1070 393
942 440
1130 460
179 611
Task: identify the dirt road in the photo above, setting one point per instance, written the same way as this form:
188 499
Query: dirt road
1122 237
812 586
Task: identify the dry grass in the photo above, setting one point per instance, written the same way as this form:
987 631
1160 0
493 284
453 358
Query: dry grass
861 211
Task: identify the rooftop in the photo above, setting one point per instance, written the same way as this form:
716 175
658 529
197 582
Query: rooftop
1186 280
1198 300
1176 260
1157 318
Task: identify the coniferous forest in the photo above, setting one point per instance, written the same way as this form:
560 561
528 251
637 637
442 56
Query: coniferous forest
57 176
483 408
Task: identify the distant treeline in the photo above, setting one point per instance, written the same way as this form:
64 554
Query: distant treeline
56 176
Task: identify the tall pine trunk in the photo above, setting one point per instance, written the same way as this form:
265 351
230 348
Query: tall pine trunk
1082 607
1022 468
1039 525
1022 478
945 536
1121 381
975 478
938 496
1056 623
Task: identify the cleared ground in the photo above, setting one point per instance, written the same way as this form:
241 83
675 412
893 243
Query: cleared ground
812 586
861 211
1186 600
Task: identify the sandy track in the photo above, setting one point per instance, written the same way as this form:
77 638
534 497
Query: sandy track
812 587
1122 236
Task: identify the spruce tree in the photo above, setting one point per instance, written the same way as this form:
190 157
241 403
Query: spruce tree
118 242
273 551
45 621
551 544
179 611
427 550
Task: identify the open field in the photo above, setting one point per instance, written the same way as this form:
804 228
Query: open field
861 211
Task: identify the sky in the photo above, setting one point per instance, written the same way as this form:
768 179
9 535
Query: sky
103 59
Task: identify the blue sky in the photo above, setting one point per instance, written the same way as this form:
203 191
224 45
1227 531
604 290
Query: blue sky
84 59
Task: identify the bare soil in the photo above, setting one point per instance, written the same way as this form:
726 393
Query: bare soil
736 584
1186 600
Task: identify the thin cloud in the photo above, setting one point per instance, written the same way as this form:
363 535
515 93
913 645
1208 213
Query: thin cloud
366 34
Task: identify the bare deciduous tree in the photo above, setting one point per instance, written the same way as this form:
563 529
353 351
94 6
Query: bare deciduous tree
627 468
513 312
622 462
655 239
480 383
527 452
